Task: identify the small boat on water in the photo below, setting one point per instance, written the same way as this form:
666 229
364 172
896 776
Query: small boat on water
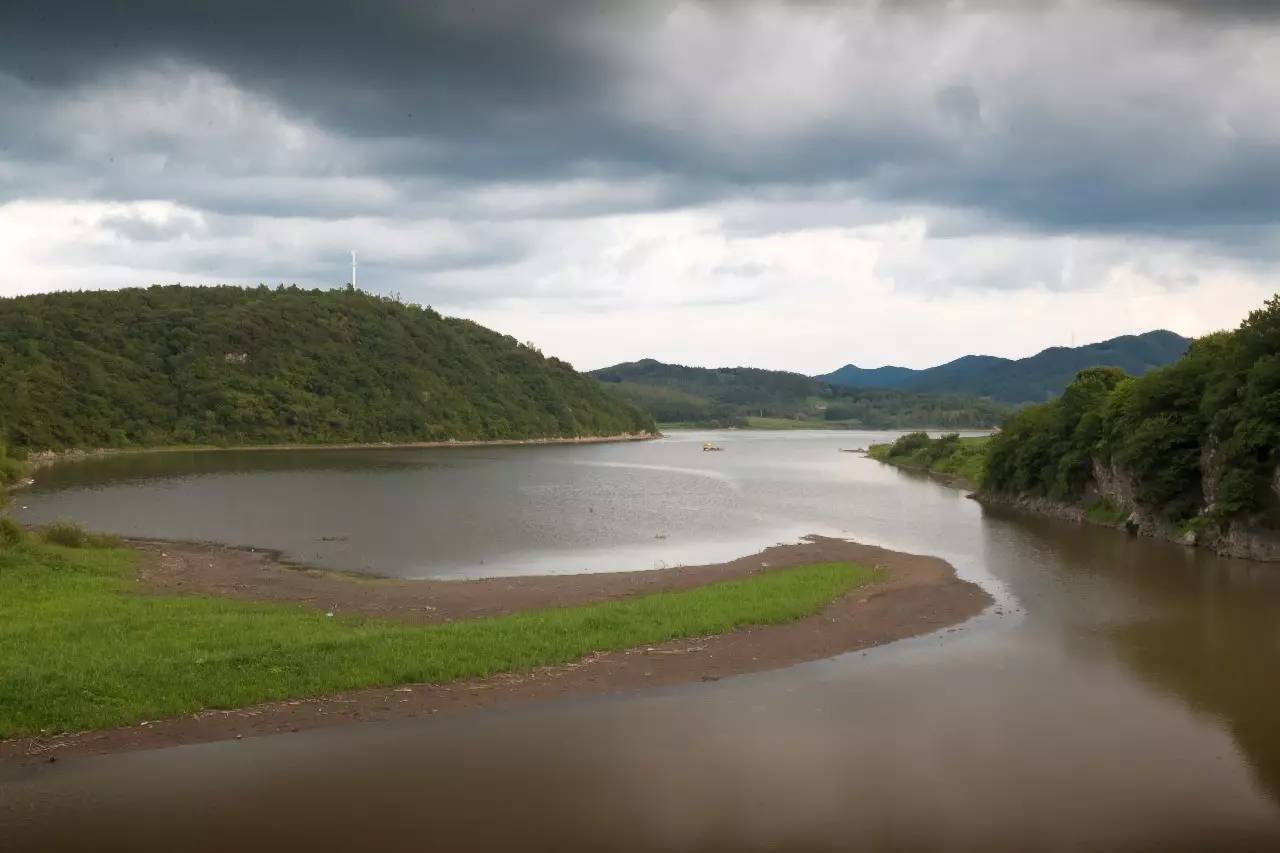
708 447
853 450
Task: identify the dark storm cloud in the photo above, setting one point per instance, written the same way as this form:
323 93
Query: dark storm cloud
1219 8
495 76
1058 123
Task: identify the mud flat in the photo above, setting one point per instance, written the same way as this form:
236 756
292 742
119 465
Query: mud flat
917 595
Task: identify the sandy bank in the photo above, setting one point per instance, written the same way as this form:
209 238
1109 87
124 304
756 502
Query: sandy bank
920 595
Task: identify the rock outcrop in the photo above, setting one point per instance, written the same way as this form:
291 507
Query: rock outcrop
1112 483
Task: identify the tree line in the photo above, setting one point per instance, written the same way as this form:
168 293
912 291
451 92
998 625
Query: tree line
727 396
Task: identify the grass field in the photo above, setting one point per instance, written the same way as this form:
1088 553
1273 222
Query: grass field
79 650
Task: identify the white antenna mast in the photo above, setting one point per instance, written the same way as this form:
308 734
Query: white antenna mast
353 269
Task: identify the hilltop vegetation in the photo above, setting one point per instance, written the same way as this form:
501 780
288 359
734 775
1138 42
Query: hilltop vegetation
1026 380
734 396
1195 445
230 365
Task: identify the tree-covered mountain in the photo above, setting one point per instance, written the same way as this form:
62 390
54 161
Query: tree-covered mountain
729 396
1193 447
230 365
1026 380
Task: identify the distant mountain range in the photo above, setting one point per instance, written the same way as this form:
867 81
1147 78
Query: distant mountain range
776 399
1025 380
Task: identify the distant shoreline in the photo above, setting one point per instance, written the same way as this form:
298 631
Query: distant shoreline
45 458
832 427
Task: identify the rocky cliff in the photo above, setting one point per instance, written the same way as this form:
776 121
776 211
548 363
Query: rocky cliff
1111 485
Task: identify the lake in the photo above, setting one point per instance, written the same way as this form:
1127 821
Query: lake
457 512
1122 693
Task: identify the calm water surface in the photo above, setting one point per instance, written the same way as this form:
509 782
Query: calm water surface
1122 695
498 510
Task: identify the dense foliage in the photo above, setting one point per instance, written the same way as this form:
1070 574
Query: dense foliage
1210 422
10 468
1026 380
230 365
10 472
962 458
728 396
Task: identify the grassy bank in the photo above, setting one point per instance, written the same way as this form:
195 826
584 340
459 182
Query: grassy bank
755 422
793 423
79 649
963 459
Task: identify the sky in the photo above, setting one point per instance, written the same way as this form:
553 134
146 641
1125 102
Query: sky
791 185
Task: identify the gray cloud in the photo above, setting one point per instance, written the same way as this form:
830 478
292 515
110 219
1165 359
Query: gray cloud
1060 116
1218 8
774 157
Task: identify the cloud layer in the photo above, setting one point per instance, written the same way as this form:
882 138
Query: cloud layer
678 175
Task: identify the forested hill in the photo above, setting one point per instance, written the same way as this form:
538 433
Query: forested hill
746 396
230 365
1025 380
1192 448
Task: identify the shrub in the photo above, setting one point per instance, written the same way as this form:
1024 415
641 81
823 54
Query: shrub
1104 511
68 534
11 533
909 444
10 469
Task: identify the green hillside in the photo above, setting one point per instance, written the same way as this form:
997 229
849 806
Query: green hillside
1195 444
1026 380
230 365
745 396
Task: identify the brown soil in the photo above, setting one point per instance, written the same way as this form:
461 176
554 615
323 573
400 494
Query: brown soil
919 595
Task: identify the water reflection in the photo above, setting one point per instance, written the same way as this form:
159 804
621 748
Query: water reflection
469 511
1201 628
118 468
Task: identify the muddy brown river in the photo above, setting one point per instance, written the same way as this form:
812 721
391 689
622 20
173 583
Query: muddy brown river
1122 694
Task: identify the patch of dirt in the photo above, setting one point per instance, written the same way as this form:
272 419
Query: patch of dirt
920 595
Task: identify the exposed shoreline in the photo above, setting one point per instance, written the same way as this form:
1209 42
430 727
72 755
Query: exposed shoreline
1237 542
920 595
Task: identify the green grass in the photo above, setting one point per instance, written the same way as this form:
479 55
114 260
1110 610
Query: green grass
1103 511
792 423
78 650
965 460
754 422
